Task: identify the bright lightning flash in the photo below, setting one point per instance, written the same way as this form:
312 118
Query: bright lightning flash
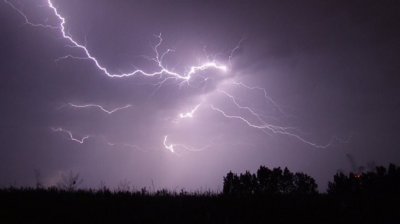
170 147
158 58
189 114
167 74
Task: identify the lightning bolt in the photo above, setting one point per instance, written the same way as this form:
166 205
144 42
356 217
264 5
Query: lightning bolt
100 107
189 114
27 21
162 71
264 91
158 59
71 137
273 128
258 116
169 147
172 147
233 51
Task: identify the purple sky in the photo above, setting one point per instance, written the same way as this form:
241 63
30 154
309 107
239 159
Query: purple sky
330 67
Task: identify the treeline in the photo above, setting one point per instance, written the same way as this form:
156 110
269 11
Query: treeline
380 181
268 196
267 181
275 181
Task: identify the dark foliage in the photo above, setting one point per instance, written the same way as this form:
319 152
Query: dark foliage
267 181
105 206
380 181
269 196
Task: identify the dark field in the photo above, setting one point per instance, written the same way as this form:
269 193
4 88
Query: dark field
58 206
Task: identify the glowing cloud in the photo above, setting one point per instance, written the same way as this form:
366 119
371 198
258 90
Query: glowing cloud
166 74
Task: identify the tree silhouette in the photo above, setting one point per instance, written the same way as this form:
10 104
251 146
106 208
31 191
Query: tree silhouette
270 181
267 181
380 181
304 184
231 183
287 184
248 183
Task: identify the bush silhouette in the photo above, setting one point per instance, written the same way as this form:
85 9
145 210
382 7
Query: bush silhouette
69 182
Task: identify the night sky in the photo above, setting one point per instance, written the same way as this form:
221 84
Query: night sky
330 70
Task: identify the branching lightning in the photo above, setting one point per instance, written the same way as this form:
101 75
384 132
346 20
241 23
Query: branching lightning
264 91
172 147
158 58
27 21
71 137
274 129
233 51
163 72
100 107
242 107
